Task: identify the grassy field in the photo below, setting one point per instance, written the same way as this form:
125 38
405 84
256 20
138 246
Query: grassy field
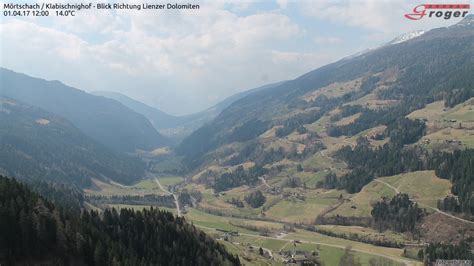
371 101
310 240
251 258
330 254
415 185
330 249
218 203
437 112
146 184
431 112
464 136
293 210
463 112
272 244
204 219
143 187
360 204
170 180
365 232
323 240
323 162
319 125
447 124
286 144
310 178
336 89
369 133
347 120
311 175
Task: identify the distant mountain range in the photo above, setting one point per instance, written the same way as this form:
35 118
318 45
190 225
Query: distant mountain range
104 120
177 127
50 131
417 71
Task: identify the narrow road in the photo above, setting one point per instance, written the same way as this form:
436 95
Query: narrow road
348 142
178 210
323 154
329 191
447 214
407 262
284 246
264 182
193 201
118 184
290 141
330 158
425 206
388 185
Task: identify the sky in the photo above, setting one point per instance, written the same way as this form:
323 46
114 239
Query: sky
183 61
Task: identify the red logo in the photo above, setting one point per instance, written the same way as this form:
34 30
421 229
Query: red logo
445 11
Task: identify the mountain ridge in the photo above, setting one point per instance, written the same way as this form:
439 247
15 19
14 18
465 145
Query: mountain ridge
398 60
105 120
36 144
178 127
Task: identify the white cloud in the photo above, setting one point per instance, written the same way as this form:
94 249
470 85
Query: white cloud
187 57
184 60
301 62
327 40
282 3
386 17
36 41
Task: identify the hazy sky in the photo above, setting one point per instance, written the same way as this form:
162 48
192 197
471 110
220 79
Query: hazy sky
185 61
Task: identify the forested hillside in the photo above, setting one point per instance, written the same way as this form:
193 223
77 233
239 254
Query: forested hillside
334 145
38 145
402 78
33 230
104 120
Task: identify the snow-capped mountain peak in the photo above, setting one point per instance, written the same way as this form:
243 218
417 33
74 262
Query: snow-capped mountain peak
402 38
407 36
467 21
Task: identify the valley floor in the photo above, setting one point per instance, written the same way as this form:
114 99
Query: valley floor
299 217
239 237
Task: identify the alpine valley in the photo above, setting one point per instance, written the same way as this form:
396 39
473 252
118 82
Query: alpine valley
365 161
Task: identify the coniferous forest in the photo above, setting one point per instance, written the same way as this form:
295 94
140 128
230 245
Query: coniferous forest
391 160
399 214
33 230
